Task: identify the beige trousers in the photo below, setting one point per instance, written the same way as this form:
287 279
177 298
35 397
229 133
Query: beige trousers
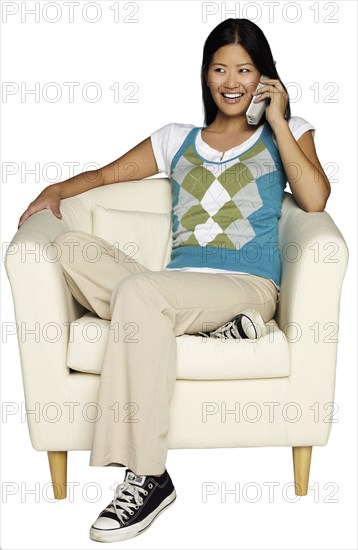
147 310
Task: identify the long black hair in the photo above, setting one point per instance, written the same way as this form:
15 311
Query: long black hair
252 39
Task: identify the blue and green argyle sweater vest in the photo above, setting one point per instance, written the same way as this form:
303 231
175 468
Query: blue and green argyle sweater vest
225 214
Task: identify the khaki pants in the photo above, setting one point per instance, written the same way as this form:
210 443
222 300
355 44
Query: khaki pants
147 309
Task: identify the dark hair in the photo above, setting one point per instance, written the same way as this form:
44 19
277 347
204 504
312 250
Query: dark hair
252 39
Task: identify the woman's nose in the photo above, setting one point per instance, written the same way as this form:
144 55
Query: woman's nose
232 82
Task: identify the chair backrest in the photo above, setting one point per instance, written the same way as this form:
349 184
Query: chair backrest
147 195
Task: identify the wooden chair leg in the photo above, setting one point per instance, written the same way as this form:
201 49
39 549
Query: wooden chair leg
58 468
301 468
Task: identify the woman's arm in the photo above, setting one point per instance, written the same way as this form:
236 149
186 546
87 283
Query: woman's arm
305 175
138 163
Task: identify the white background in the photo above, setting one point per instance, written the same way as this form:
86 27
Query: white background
315 49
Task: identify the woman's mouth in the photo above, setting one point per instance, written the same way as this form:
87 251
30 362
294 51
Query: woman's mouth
232 98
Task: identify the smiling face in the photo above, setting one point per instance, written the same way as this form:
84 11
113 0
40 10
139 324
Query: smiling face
232 72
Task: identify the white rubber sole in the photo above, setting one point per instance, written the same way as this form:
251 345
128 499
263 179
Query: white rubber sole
254 327
124 533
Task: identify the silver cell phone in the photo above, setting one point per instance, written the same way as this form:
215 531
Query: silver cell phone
256 110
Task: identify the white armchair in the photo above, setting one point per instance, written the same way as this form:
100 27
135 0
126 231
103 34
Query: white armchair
276 383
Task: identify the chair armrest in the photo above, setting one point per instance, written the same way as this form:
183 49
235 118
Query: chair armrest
43 307
314 258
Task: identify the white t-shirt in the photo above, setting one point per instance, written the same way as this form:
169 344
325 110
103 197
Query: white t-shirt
168 139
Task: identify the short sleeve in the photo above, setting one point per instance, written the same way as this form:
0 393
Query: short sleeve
166 142
160 139
299 126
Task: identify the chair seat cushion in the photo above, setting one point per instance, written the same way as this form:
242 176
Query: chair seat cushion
198 357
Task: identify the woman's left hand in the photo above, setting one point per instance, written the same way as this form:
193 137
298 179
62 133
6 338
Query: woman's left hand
276 107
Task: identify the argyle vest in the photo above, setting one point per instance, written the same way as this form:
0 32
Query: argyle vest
225 214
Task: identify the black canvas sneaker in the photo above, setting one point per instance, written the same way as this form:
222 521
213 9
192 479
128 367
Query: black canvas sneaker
247 324
137 502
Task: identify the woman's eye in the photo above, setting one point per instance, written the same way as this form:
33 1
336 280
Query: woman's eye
221 69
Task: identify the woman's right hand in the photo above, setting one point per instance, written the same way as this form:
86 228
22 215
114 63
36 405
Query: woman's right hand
48 198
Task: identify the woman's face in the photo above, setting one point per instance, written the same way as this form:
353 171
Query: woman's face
232 71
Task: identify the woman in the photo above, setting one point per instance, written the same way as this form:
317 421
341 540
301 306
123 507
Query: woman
228 180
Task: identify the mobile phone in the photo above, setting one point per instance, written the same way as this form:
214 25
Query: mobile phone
256 110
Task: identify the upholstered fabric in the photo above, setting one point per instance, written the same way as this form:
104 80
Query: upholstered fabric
132 232
198 357
271 386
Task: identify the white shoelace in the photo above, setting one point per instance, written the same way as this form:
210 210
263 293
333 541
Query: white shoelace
124 502
250 323
228 330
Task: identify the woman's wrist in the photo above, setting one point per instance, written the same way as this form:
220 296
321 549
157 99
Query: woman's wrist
54 188
276 126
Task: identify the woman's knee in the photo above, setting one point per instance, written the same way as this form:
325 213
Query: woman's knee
76 236
72 245
130 288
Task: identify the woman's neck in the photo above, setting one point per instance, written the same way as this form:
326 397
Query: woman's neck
231 125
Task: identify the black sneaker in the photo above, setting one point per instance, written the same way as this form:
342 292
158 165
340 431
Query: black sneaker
138 501
247 324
